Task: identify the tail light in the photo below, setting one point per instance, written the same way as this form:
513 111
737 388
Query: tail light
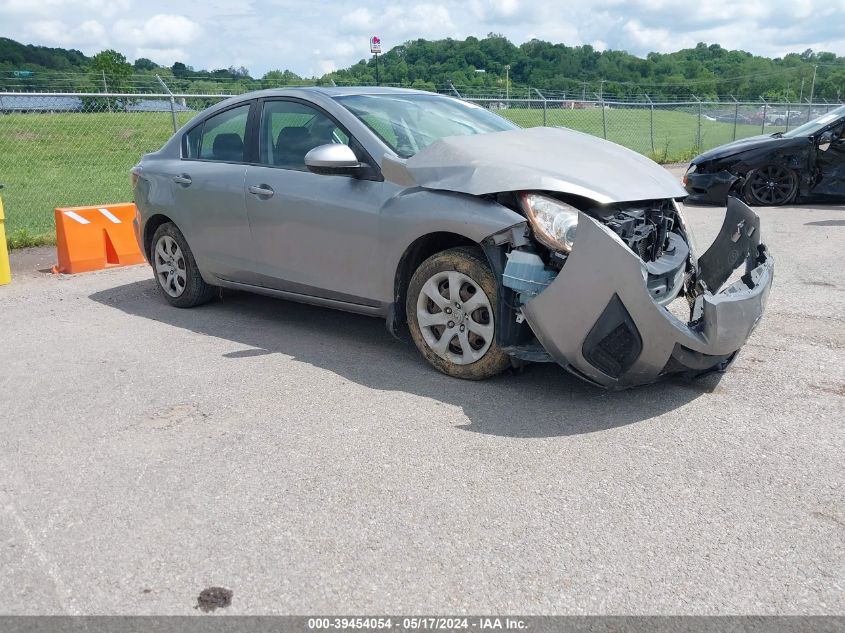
134 174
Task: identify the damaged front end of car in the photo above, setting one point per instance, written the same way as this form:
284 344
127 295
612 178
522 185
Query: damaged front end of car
601 310
592 277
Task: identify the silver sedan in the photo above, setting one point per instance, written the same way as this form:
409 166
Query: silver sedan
487 245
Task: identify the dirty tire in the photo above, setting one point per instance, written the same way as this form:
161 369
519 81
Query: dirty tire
195 291
770 186
469 263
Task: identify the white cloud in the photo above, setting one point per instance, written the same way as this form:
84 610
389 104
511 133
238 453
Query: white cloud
59 34
326 66
160 30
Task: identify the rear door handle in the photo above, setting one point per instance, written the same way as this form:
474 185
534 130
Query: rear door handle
264 191
182 179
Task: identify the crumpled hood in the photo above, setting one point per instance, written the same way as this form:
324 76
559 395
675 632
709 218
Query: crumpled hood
540 158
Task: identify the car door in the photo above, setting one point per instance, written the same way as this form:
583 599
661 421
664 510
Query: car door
209 194
312 234
830 163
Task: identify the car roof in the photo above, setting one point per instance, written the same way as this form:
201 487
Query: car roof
333 91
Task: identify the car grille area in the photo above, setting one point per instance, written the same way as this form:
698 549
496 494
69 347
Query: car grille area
644 229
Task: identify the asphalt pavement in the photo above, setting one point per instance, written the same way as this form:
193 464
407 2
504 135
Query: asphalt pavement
308 462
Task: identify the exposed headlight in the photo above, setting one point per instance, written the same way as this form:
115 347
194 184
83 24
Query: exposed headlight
690 170
554 222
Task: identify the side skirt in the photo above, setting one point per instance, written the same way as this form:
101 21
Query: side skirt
357 308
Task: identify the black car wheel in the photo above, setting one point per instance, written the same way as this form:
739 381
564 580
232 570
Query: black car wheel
771 185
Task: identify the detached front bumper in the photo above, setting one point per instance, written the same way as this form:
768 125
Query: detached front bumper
598 320
709 188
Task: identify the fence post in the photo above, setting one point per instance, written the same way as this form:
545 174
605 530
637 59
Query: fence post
736 114
545 113
788 112
698 134
600 95
765 113
106 89
172 103
651 121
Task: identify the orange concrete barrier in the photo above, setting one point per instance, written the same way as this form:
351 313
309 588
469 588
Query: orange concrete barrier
93 238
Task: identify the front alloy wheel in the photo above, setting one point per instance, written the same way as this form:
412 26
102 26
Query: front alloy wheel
771 186
451 314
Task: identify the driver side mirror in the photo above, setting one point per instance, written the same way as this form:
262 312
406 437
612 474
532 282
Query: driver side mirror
825 141
333 159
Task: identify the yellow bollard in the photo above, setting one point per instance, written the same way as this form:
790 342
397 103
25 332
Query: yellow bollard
5 271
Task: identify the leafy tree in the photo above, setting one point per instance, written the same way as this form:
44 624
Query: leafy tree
706 70
179 70
114 68
142 63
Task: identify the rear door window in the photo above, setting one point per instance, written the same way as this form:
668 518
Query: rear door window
220 137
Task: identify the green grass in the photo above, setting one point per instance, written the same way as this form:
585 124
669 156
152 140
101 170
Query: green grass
60 160
675 131
63 160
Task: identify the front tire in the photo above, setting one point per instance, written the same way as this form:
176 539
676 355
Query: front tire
771 186
451 308
175 269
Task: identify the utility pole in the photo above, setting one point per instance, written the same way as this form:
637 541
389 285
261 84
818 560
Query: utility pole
813 87
507 82
106 89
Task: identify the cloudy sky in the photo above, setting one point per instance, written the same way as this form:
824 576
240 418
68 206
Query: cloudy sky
314 37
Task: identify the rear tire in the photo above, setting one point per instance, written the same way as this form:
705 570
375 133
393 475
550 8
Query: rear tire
175 269
455 296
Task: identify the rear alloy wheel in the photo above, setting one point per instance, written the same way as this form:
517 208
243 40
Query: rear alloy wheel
451 314
176 270
771 186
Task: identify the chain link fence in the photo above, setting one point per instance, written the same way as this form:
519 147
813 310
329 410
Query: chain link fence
77 149
666 132
73 149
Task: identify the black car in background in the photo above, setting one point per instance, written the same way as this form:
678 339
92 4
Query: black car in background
804 164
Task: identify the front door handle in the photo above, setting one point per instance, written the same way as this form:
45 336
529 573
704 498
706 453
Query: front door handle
263 191
182 179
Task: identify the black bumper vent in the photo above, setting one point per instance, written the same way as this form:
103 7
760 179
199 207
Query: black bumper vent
614 343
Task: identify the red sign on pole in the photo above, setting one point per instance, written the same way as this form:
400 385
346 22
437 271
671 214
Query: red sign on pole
375 45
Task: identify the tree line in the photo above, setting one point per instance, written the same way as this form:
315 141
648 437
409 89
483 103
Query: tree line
491 64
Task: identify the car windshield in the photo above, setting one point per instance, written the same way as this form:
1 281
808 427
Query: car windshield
410 122
811 127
